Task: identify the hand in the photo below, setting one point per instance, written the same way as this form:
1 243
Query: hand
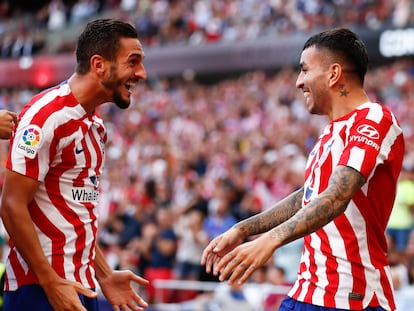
63 295
7 121
241 262
219 247
117 289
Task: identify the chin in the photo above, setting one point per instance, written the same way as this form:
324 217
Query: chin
122 105
122 102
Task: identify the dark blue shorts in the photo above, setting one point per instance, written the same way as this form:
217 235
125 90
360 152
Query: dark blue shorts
33 298
289 304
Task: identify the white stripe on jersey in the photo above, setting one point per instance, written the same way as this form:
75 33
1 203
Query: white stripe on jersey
374 114
357 157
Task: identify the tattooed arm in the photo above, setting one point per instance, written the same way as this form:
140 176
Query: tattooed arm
285 222
343 184
273 216
254 225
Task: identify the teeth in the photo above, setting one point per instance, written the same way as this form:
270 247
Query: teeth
129 85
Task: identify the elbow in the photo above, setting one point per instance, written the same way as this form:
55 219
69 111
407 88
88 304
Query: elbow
4 210
8 212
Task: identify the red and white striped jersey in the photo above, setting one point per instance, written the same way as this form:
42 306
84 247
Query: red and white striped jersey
57 143
344 264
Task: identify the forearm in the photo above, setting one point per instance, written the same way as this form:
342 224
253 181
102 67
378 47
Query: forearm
102 269
326 207
272 217
18 192
20 228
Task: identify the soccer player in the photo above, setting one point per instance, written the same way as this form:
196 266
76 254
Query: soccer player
51 187
348 193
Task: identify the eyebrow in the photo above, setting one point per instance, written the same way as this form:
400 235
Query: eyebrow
141 56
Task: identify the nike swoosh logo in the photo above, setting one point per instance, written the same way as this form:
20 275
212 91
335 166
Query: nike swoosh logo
77 151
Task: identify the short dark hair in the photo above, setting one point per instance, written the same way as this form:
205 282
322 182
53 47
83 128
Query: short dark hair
346 45
101 37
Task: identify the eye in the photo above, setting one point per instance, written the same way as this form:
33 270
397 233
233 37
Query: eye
133 62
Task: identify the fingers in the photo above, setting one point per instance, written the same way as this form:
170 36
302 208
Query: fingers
213 252
235 267
210 262
80 289
207 252
209 256
13 116
226 266
7 121
131 306
241 274
140 301
139 280
9 116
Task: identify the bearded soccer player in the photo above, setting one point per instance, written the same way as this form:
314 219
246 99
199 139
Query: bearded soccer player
50 194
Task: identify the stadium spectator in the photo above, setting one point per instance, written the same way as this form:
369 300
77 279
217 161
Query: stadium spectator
401 221
160 255
204 21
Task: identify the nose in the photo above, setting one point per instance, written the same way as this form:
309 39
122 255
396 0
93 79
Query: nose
141 73
299 81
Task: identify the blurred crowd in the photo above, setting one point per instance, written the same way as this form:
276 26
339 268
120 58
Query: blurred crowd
192 22
188 160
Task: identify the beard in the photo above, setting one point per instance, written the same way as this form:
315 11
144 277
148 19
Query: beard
113 84
120 102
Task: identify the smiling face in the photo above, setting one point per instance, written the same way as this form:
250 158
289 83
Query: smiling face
313 80
124 72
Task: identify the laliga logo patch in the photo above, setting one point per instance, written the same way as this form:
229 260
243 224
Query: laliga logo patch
30 141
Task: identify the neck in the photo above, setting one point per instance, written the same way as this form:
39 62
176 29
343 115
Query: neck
82 89
347 102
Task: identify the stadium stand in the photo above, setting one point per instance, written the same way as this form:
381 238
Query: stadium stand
196 139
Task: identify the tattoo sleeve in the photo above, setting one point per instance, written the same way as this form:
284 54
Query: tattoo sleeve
332 202
273 216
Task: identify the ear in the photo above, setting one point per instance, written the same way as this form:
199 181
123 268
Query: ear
98 64
335 73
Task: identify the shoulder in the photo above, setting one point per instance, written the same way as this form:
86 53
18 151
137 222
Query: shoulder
375 112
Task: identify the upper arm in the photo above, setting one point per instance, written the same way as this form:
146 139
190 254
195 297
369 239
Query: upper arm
17 189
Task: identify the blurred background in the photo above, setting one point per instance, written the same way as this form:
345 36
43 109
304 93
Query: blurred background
218 131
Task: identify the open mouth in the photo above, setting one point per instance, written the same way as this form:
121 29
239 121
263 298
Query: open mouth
129 86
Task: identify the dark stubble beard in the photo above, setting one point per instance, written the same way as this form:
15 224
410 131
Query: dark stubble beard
112 83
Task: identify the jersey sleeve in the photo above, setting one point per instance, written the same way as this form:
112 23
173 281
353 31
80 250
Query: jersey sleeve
30 149
369 140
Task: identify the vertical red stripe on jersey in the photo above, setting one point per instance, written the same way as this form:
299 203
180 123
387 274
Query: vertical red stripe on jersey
353 252
68 156
331 266
386 286
91 255
57 238
301 281
17 268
